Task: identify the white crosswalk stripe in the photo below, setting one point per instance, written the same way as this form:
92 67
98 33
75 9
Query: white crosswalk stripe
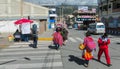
78 39
72 39
21 56
75 39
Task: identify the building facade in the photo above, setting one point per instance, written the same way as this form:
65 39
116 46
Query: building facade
11 11
109 11
84 16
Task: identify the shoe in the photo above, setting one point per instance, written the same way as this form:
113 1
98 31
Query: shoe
34 47
99 61
57 48
109 65
86 65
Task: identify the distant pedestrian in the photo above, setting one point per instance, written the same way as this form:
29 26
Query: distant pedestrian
90 46
103 43
35 35
64 34
57 38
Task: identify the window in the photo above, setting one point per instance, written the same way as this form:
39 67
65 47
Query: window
100 26
109 6
118 5
52 12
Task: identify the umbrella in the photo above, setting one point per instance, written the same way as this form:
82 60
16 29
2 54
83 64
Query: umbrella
23 20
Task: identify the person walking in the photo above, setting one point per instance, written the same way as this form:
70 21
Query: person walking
35 35
64 34
103 43
57 38
90 46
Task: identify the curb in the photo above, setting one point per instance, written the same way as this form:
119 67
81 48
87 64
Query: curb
45 38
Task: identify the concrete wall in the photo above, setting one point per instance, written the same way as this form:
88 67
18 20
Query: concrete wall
10 27
10 8
15 9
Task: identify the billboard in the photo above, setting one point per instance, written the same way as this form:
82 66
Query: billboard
83 8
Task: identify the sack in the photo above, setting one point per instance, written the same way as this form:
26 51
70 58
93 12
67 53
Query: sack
90 44
81 46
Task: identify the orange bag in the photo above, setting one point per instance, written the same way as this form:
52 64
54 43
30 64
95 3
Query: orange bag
87 55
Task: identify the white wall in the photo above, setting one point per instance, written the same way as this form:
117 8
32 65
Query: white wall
7 26
10 27
14 8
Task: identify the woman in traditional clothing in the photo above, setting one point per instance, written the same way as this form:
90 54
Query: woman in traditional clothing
57 38
87 53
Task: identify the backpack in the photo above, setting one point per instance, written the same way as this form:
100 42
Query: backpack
90 44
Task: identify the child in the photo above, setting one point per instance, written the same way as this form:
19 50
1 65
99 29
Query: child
103 43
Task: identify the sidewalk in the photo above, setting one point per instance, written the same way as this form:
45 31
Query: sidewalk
46 36
4 42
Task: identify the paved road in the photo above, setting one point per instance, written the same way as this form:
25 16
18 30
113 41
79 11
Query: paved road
71 55
21 56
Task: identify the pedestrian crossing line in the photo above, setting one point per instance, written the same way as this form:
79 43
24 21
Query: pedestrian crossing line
19 46
72 39
80 39
22 43
33 65
25 48
41 57
28 52
27 45
56 57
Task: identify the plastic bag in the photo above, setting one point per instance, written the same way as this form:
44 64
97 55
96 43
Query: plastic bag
81 46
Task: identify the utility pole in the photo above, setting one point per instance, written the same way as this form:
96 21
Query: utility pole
62 12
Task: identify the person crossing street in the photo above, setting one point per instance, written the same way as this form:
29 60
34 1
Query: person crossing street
103 43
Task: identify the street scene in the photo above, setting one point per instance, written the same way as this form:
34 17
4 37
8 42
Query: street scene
61 34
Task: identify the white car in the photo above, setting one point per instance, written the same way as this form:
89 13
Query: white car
70 27
96 28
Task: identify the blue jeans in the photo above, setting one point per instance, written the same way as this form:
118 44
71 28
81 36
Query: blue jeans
25 37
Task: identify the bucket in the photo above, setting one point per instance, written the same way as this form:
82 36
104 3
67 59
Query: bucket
10 38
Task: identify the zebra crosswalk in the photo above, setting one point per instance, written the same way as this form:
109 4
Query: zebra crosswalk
21 56
79 39
75 39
